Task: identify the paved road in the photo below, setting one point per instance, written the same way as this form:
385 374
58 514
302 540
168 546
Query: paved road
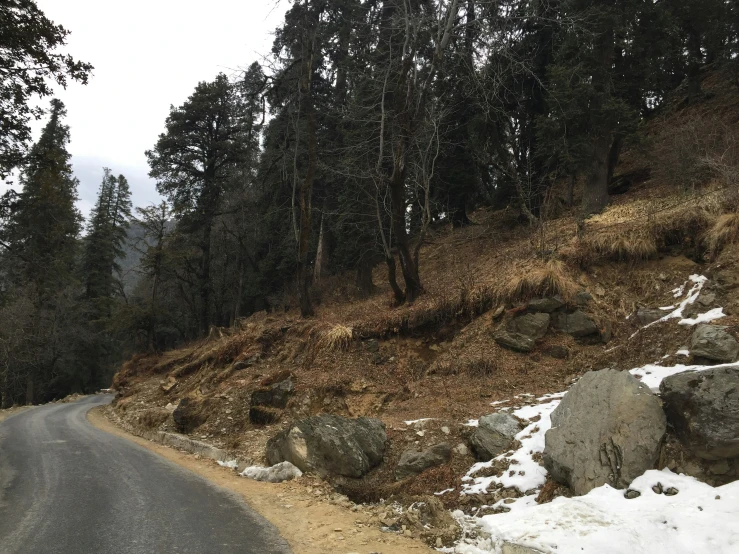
69 488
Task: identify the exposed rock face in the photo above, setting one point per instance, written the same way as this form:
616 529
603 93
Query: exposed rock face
703 408
494 435
284 471
275 396
712 342
267 402
607 429
188 415
530 325
577 324
413 462
546 305
330 445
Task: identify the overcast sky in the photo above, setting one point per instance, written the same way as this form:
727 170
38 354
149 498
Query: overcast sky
148 54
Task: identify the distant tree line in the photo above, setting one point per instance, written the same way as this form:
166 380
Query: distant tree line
370 122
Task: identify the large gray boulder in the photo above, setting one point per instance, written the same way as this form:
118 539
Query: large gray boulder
413 462
330 445
494 435
712 342
578 324
607 429
703 408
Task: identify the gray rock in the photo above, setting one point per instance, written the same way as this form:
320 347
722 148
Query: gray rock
645 316
530 325
706 299
558 352
546 305
583 297
703 408
275 396
577 324
330 445
607 429
188 415
714 343
284 471
494 435
514 341
372 345
413 462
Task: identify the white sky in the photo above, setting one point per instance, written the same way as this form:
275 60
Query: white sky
148 54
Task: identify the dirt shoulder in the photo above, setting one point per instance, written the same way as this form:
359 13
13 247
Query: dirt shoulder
5 414
310 524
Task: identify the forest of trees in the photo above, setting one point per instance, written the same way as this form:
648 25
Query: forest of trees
369 122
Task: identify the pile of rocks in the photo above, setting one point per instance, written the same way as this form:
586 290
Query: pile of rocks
521 331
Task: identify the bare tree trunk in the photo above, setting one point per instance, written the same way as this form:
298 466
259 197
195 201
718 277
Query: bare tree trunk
595 195
392 278
30 397
322 254
204 284
306 185
408 265
364 277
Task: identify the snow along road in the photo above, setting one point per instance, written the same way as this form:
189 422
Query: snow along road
69 488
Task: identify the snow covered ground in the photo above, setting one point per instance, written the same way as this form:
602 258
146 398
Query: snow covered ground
698 519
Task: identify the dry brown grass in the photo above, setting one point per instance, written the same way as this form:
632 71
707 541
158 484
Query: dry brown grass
536 279
337 338
724 231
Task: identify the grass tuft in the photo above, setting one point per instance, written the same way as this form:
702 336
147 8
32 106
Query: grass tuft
538 279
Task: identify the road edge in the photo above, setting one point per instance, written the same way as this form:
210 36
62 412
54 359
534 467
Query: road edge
309 525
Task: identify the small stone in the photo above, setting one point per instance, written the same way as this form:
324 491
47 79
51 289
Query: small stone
720 468
445 430
338 530
439 544
657 488
717 497
672 491
631 494
461 449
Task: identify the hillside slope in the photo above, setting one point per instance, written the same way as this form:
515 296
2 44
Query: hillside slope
510 313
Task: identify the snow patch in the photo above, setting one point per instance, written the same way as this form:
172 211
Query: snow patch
700 518
230 464
698 282
710 315
652 375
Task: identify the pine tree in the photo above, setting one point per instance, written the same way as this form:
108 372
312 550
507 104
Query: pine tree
192 162
29 61
41 240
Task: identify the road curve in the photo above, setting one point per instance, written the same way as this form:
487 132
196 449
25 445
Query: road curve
69 488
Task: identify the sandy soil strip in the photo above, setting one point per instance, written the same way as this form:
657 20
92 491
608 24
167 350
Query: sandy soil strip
311 525
5 414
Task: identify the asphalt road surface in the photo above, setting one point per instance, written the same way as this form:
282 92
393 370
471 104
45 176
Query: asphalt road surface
67 487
